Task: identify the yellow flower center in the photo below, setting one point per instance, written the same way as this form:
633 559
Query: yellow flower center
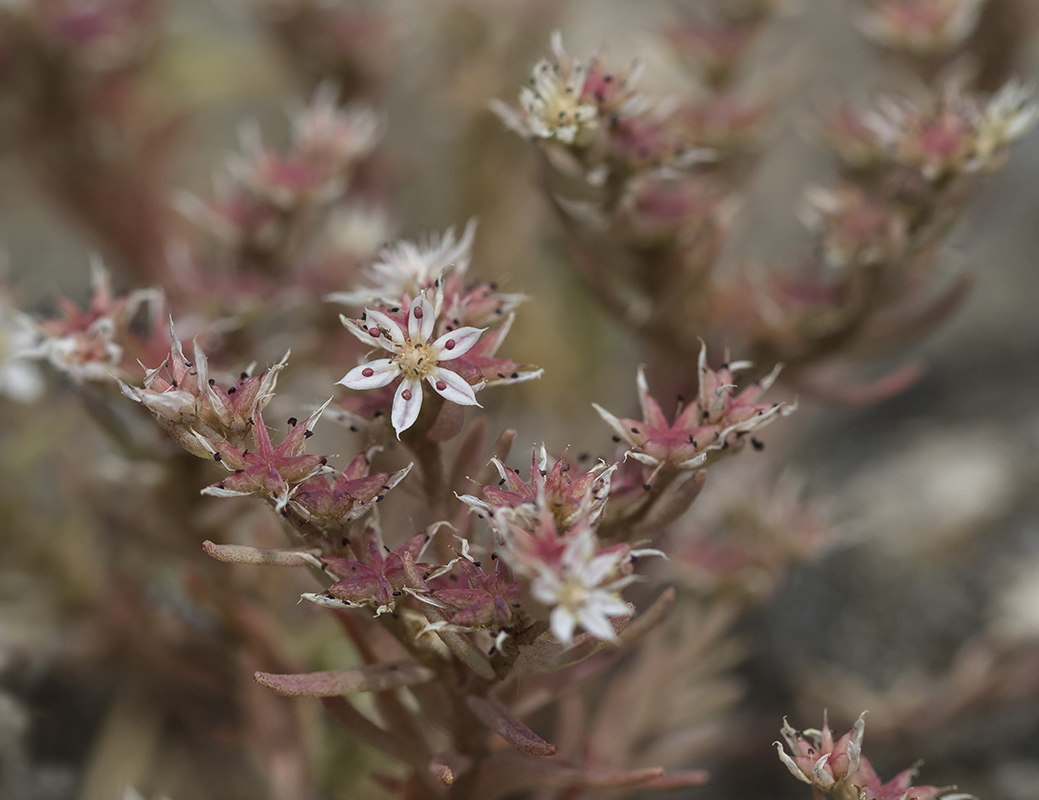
572 592
416 361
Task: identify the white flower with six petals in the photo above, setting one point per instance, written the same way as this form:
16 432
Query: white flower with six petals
413 358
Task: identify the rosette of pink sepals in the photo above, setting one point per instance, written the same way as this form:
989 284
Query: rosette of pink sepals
838 768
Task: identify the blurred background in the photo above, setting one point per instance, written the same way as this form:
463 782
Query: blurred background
924 606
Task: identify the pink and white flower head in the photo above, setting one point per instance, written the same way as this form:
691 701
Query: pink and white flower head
583 587
839 769
554 106
957 132
718 419
921 27
568 495
414 357
822 763
409 268
88 345
334 136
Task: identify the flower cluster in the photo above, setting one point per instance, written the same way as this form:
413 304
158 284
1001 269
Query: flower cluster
921 27
648 240
264 198
720 418
425 318
838 768
91 345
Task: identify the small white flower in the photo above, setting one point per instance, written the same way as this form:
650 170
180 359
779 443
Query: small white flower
413 358
553 101
583 589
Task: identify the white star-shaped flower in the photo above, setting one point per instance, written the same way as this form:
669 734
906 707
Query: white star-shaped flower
413 358
583 589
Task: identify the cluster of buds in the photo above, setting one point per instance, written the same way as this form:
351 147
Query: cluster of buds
267 202
838 768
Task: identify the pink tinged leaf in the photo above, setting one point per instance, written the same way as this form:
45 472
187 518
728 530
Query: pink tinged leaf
497 716
452 387
240 554
264 448
371 375
407 402
456 343
508 773
373 678
362 587
462 647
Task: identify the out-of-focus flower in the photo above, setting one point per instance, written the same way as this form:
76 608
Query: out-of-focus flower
958 132
921 27
333 136
409 268
839 768
743 536
20 379
262 194
89 345
854 228
554 106
583 587
1009 115
414 358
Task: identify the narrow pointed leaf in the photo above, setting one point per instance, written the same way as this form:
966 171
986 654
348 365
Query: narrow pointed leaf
332 683
496 716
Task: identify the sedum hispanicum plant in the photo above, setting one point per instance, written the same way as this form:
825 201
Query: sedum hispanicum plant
553 630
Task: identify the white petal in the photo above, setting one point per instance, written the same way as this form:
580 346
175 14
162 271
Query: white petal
596 623
562 623
377 318
383 371
463 338
405 411
455 389
614 423
421 317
